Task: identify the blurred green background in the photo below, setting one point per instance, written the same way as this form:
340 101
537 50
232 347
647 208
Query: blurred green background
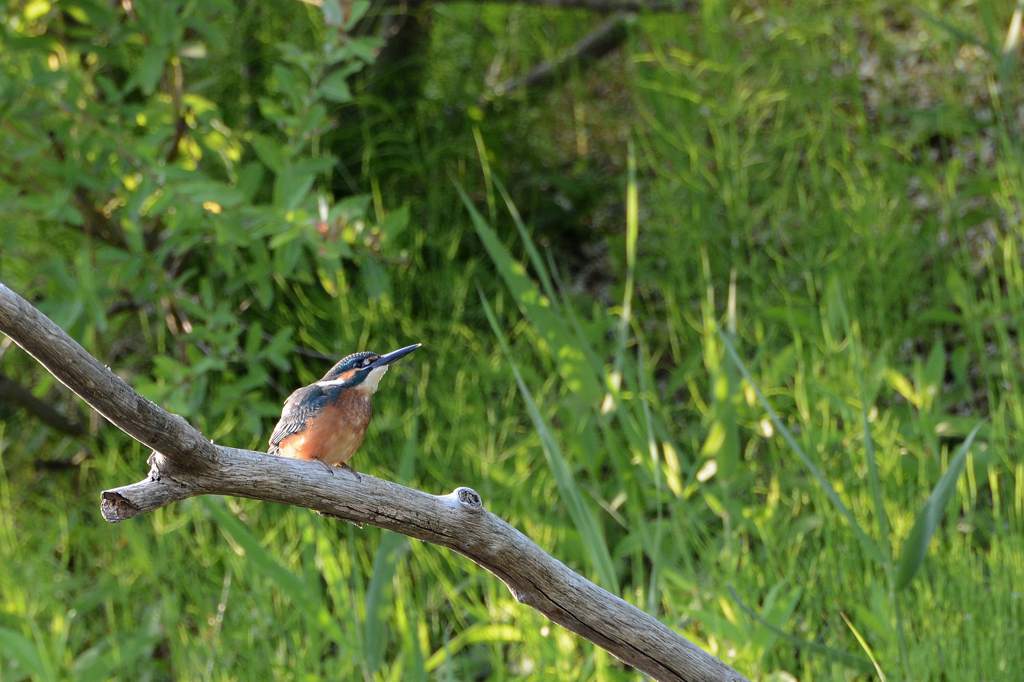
712 319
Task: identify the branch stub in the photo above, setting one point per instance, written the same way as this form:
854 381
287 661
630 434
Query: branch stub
469 498
115 507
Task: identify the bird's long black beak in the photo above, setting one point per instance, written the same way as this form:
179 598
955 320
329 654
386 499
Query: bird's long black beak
388 358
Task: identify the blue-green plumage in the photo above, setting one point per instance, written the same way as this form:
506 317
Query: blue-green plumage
300 406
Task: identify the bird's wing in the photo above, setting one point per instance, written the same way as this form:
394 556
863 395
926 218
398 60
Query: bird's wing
300 406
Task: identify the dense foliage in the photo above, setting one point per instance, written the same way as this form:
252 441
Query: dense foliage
728 321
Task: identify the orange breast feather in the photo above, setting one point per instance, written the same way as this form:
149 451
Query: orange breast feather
335 434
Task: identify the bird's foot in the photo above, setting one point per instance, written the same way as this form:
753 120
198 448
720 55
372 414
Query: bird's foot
352 469
325 465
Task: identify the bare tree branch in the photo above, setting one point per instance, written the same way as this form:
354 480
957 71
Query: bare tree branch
13 393
609 35
188 465
599 6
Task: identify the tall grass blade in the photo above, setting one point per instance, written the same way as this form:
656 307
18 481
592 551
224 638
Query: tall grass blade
826 651
573 320
874 482
524 235
19 648
915 547
538 309
549 282
955 33
837 304
392 547
626 314
583 518
867 543
652 450
480 633
865 646
259 558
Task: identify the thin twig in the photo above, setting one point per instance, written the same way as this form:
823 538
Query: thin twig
597 6
13 393
180 125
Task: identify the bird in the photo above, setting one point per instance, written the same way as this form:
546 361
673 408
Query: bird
326 421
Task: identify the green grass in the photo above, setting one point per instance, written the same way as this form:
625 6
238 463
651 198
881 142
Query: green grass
748 408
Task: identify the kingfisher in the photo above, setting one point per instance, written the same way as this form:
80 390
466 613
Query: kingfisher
326 421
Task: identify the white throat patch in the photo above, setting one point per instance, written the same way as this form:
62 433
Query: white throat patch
369 384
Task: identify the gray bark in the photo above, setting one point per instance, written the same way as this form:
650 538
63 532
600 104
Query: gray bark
184 464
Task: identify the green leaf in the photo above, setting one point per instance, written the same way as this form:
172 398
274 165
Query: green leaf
915 547
350 208
269 151
865 646
379 593
291 187
250 178
375 630
395 222
150 68
874 483
335 88
480 633
20 648
958 35
290 85
375 278
211 190
902 385
285 236
95 663
356 11
98 664
332 13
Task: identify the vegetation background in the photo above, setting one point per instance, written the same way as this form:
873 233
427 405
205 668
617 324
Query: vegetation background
713 319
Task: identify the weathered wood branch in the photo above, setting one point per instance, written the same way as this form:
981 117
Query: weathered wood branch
185 464
608 36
